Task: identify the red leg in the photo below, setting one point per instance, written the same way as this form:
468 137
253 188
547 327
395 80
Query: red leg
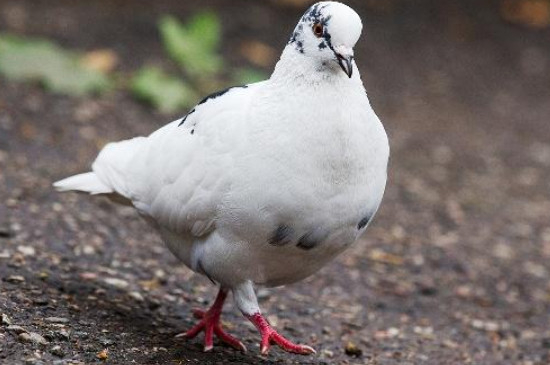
269 335
211 325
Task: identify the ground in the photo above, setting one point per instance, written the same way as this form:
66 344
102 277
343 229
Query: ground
454 269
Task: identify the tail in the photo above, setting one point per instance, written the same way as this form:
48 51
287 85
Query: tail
109 173
88 182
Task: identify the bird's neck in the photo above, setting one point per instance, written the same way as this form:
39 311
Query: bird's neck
294 68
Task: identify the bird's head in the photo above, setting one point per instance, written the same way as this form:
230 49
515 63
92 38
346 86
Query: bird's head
328 32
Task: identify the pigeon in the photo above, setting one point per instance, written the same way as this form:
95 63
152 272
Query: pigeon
260 185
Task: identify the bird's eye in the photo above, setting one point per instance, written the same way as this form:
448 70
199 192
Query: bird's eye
318 29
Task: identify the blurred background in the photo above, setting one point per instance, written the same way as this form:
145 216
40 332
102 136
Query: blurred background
454 269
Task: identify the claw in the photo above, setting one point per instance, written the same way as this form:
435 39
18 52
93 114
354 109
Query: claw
269 335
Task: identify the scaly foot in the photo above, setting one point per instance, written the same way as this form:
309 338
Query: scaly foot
269 335
211 325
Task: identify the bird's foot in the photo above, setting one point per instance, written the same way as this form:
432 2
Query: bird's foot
211 325
269 336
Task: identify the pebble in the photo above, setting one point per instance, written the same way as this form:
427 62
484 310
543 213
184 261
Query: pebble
32 337
63 334
15 328
117 283
15 279
26 250
57 351
136 296
352 350
485 325
56 320
5 319
5 254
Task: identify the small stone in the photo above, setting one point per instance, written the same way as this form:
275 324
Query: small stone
56 320
15 279
106 342
485 325
15 328
40 301
117 283
103 354
63 334
328 353
57 351
26 250
5 254
32 337
5 319
352 350
88 275
393 332
136 296
88 250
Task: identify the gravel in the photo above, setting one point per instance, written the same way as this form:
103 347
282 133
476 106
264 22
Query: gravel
454 269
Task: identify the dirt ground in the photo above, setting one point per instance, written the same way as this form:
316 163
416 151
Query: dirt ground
454 269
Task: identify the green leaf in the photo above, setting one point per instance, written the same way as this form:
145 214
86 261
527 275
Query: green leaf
166 93
205 28
58 70
193 46
243 76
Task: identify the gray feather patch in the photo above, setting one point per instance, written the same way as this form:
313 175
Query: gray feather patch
281 236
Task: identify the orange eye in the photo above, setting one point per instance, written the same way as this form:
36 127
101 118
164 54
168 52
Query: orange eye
318 29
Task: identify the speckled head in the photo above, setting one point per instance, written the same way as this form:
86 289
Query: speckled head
328 31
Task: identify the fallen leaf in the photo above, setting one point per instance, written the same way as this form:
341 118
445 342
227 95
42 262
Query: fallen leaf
103 354
530 13
193 45
101 60
42 61
386 258
166 93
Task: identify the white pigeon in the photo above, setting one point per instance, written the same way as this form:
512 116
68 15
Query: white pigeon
263 184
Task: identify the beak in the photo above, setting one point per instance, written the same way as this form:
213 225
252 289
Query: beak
344 56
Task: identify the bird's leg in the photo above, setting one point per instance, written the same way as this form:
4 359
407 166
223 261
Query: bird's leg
211 325
248 304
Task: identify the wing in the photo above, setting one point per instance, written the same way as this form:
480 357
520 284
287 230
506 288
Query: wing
178 175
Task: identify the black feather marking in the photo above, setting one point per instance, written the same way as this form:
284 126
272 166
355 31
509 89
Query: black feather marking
300 46
209 97
219 93
308 241
312 15
281 236
185 118
363 222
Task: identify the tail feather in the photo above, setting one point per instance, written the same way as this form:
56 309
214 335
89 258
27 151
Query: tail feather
109 173
87 182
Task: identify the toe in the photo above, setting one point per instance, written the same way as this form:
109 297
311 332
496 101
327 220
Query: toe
228 339
198 313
